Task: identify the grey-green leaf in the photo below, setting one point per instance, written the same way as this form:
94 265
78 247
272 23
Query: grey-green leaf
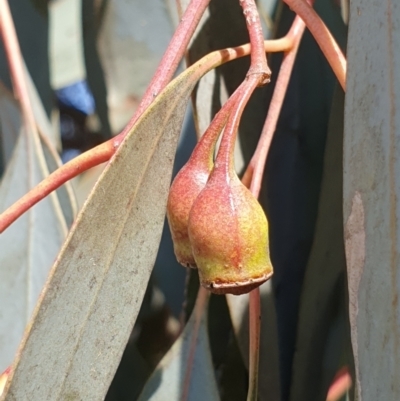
371 193
27 248
94 291
186 372
323 340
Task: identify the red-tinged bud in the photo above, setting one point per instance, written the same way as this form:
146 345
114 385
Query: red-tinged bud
228 231
184 190
188 184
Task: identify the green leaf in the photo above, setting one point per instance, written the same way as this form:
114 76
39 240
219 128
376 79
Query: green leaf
94 291
186 372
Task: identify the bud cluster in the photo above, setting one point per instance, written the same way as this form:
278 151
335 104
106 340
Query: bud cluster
217 225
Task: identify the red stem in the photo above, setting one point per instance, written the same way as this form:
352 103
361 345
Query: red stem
98 155
225 158
323 37
210 137
256 166
254 346
259 64
258 163
104 152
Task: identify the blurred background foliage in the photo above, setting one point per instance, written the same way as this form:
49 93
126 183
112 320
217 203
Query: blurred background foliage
91 60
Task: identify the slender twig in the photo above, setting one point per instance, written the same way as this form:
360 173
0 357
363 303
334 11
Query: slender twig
254 182
203 152
260 70
323 37
258 74
255 169
258 64
105 151
224 159
254 346
98 155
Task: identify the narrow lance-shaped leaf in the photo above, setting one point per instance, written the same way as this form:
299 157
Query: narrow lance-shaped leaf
371 195
29 247
323 340
186 372
95 288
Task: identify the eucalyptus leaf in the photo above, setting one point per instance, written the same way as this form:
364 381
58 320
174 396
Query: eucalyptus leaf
292 178
323 340
186 372
94 291
371 195
28 247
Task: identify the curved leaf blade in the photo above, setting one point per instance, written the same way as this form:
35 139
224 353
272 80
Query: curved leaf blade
186 372
323 338
95 288
371 190
28 248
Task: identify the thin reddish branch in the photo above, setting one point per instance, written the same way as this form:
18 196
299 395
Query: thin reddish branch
323 37
258 74
104 152
259 64
254 345
207 142
253 180
225 158
255 169
85 161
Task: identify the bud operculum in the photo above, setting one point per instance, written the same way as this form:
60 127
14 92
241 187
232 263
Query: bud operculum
228 231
